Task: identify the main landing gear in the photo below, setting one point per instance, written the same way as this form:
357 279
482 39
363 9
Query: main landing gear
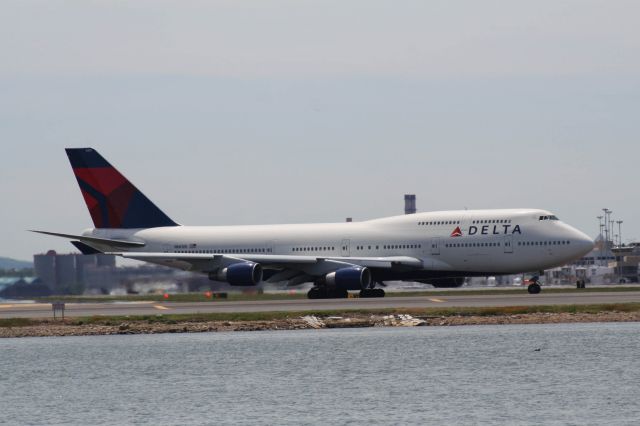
534 287
372 292
326 293
334 293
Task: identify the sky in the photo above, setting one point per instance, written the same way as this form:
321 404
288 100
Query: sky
294 111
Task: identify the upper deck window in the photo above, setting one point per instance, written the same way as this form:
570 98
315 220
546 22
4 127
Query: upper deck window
549 217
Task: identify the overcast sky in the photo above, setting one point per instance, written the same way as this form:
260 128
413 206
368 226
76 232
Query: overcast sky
245 112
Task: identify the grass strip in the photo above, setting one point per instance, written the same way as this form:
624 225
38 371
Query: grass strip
18 322
271 316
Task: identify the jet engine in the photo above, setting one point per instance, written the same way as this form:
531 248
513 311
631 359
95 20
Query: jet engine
352 278
243 273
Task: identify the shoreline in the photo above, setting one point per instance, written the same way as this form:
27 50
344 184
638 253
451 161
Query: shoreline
106 326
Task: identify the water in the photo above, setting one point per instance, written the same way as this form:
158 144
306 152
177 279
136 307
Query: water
581 374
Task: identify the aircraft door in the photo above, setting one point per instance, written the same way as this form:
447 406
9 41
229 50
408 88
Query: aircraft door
346 249
435 245
508 244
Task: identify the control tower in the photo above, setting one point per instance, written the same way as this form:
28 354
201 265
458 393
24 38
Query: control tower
409 203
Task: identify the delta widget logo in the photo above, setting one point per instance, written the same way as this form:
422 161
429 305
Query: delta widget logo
456 232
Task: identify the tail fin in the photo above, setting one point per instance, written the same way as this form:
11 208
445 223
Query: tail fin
112 200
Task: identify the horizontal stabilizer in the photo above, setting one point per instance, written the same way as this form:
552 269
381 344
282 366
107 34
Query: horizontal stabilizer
85 248
95 240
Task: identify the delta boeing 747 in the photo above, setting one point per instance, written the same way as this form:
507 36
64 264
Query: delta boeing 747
439 248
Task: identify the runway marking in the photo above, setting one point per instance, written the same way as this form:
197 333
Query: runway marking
437 300
164 308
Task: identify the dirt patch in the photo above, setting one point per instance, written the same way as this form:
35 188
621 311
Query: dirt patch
70 328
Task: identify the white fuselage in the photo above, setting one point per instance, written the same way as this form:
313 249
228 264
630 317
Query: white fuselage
472 242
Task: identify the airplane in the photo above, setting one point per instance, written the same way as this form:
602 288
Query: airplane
440 248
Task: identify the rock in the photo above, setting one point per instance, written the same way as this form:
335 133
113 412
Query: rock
313 321
402 320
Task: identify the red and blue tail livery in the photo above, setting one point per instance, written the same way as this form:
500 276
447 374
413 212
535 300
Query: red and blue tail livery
112 200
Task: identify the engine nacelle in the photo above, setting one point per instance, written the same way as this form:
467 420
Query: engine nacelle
243 273
352 278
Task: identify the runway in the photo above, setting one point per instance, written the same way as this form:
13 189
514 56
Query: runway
42 310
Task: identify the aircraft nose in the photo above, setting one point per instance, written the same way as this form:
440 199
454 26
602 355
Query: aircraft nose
582 242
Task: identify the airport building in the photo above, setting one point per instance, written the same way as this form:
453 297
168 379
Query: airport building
610 262
73 273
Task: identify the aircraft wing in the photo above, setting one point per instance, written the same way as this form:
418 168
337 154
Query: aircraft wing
111 246
294 269
271 259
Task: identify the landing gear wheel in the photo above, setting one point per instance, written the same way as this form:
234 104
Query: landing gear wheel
534 288
317 293
324 293
581 284
338 294
371 292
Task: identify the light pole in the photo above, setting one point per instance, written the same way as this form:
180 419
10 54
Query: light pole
611 230
619 222
606 224
600 224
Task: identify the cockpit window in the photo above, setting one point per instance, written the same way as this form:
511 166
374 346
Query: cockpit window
550 217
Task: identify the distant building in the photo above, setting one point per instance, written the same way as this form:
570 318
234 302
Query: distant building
72 273
97 274
66 272
45 268
601 254
605 264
